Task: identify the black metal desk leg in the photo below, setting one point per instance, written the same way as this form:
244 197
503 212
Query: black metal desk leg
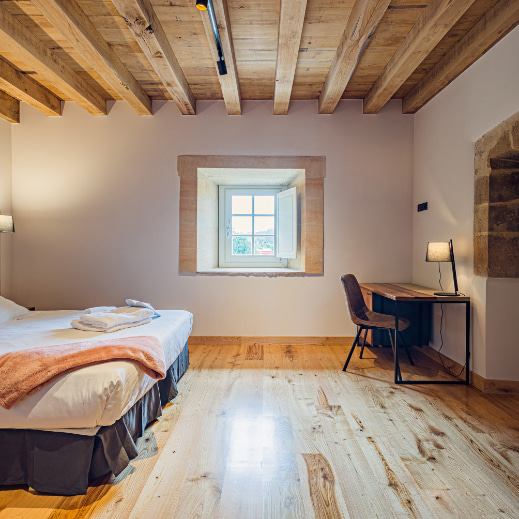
467 343
398 376
420 316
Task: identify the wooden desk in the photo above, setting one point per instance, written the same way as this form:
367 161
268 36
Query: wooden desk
406 293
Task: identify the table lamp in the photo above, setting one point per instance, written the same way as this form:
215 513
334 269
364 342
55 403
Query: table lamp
443 251
6 223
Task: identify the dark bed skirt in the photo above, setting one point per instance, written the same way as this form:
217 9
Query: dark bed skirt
63 463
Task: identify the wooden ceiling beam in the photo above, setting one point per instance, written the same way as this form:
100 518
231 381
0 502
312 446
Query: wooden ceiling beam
434 23
24 88
228 82
9 108
72 22
142 21
493 25
363 20
20 42
291 21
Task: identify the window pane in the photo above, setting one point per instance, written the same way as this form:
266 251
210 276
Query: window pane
264 245
242 224
242 205
263 225
242 245
264 204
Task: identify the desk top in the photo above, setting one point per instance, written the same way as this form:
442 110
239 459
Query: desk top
410 292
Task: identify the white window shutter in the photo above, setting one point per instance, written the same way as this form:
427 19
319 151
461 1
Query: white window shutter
287 223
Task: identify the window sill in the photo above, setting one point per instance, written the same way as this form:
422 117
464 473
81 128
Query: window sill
245 271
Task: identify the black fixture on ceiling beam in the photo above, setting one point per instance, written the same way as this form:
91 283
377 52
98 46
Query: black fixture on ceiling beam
207 5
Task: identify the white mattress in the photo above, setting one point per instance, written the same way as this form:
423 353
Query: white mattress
86 399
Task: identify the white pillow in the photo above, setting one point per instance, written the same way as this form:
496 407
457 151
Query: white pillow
10 310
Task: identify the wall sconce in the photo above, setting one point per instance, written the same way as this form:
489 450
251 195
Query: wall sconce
443 251
207 5
6 223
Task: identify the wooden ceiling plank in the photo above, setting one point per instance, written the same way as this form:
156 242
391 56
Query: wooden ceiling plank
72 22
434 23
495 24
145 26
291 21
363 20
9 108
25 88
20 42
228 82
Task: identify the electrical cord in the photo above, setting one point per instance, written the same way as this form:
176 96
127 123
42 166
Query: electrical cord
445 368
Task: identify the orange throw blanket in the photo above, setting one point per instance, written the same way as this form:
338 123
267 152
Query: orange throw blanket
24 372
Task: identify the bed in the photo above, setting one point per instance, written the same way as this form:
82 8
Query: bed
84 424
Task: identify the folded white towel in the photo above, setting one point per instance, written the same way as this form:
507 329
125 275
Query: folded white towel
134 302
142 304
81 326
99 309
124 315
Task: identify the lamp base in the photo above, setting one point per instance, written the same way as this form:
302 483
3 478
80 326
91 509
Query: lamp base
450 294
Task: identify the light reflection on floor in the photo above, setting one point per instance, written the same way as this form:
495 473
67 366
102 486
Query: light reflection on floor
260 445
251 438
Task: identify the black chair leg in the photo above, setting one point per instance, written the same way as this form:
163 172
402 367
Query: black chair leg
363 343
391 340
355 342
407 350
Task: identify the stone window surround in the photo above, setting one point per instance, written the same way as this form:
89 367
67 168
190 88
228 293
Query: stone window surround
193 248
496 202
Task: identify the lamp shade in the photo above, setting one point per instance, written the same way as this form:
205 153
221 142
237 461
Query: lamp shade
6 223
438 251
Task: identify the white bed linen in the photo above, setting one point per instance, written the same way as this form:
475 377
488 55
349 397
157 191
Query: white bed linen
94 396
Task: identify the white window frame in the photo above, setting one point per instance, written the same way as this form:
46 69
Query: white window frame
226 259
286 222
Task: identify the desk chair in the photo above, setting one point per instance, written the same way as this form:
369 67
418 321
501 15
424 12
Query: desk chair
366 319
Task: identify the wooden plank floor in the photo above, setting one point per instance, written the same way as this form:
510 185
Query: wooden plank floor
282 432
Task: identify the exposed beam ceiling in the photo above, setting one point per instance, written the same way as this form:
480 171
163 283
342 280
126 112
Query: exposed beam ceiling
291 21
142 20
364 18
72 22
9 108
24 88
89 51
495 24
228 82
434 23
16 39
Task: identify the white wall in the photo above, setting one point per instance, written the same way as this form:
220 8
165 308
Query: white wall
502 334
445 131
5 205
96 205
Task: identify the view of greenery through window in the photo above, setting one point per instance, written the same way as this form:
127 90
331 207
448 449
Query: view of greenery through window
253 221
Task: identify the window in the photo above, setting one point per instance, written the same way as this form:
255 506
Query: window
255 228
301 240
